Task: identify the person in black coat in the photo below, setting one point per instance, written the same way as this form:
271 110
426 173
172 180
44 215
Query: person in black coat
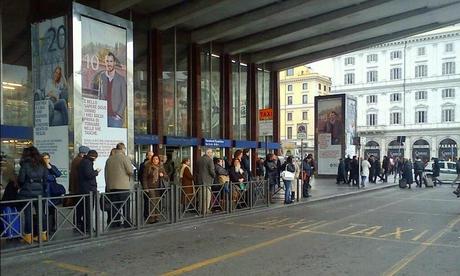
271 174
32 183
386 168
407 172
436 170
372 169
418 171
354 171
347 169
341 172
245 163
87 178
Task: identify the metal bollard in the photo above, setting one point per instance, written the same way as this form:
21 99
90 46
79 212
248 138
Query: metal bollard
40 220
91 210
251 195
139 213
230 201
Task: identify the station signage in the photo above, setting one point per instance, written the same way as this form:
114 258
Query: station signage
216 143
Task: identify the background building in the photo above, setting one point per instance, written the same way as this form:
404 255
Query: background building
298 88
409 87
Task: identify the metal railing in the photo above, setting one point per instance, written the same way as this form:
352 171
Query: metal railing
70 218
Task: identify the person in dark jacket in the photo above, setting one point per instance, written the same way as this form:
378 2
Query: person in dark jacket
238 175
372 169
288 166
307 172
354 171
418 171
140 177
436 171
260 170
457 191
271 173
245 163
407 172
87 178
32 183
53 189
347 169
377 170
386 168
341 172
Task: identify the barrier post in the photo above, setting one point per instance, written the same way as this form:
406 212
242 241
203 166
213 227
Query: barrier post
139 206
40 220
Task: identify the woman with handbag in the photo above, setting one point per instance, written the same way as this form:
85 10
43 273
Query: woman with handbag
186 180
154 174
288 175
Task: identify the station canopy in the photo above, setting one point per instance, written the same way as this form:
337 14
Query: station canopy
283 34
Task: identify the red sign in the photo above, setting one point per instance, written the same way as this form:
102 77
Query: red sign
265 114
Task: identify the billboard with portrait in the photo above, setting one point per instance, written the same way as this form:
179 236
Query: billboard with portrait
103 69
51 92
330 133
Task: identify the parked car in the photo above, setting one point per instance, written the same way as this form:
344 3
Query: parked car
448 171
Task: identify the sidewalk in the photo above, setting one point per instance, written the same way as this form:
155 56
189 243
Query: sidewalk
325 188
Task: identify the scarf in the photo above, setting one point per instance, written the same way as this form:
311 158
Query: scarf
182 169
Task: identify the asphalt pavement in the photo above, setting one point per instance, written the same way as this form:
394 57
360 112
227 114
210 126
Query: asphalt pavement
383 232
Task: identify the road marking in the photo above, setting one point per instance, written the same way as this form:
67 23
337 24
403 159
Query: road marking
416 238
294 224
237 253
243 251
397 233
420 249
368 231
313 224
346 229
72 267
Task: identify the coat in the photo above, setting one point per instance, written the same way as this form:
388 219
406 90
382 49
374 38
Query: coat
206 171
32 179
118 171
245 164
271 171
235 176
187 180
407 173
87 176
152 177
74 184
118 102
418 165
436 168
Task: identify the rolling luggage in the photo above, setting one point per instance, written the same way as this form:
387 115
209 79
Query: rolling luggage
10 223
402 183
428 181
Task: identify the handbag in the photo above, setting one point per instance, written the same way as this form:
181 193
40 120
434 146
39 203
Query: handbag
287 175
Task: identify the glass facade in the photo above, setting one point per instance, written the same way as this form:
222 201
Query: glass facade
210 95
142 112
175 83
239 100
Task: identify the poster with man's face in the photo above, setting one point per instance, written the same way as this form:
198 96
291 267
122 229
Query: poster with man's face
330 134
104 89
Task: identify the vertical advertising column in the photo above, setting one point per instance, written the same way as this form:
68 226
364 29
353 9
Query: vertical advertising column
51 92
350 126
103 83
329 134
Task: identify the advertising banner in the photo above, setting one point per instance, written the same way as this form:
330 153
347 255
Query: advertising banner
104 89
350 126
329 133
51 92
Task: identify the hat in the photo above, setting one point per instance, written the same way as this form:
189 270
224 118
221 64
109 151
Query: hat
83 149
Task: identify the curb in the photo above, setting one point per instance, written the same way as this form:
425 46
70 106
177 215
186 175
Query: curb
17 256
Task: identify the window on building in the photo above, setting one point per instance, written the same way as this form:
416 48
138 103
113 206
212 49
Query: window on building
304 115
395 118
421 71
289 116
304 86
395 97
239 100
289 100
421 51
372 58
290 72
304 99
289 88
448 114
395 73
421 95
448 93
349 61
371 119
371 99
448 68
319 86
395 55
372 76
289 132
324 87
421 117
349 78
449 47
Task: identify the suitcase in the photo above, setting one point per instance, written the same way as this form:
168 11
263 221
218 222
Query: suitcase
10 223
428 181
402 183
